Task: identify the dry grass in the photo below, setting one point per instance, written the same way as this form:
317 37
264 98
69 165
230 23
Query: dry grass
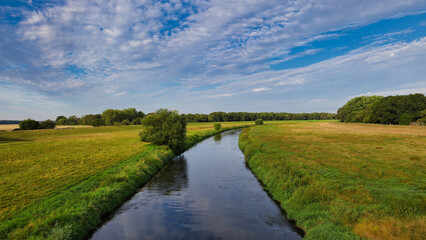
368 178
8 127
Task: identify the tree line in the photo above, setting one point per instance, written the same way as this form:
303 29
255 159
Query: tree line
247 116
401 109
130 116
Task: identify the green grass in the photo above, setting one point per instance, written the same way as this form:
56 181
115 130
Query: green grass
344 181
57 184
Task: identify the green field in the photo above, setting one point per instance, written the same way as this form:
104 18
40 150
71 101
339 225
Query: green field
59 182
344 181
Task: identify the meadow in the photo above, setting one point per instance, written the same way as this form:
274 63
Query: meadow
58 183
344 181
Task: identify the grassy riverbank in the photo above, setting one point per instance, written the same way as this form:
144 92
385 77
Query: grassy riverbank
59 183
344 181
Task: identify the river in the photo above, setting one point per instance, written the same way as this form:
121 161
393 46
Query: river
206 193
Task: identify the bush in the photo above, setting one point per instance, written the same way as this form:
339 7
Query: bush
259 121
405 119
125 122
136 121
422 120
217 126
97 122
165 127
29 124
48 124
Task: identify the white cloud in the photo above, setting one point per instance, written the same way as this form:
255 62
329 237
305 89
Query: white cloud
261 89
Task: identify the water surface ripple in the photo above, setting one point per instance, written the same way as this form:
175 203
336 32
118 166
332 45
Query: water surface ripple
206 193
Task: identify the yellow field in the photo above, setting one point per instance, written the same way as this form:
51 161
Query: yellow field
338 179
8 127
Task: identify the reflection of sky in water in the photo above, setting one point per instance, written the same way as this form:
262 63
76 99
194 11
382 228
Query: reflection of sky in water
207 194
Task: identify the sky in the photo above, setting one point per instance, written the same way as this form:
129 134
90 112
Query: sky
78 57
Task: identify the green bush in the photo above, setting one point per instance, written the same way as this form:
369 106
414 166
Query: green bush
136 121
125 122
423 119
29 124
97 122
165 127
405 119
259 121
48 124
217 126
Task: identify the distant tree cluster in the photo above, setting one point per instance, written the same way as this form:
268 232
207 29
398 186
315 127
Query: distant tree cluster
122 117
109 117
246 116
30 124
401 109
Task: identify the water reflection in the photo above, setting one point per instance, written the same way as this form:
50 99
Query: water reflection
173 181
206 194
217 137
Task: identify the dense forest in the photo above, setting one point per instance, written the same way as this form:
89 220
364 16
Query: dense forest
401 109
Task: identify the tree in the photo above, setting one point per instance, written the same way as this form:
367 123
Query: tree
165 127
98 122
90 118
60 117
29 124
389 110
258 121
217 126
48 124
357 109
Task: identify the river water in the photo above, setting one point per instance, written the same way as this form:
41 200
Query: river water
206 193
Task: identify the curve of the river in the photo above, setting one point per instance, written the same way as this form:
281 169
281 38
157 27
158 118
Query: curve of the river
206 193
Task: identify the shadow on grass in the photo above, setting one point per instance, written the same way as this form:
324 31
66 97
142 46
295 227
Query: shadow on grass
9 140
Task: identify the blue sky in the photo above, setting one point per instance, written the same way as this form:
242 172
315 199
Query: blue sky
84 56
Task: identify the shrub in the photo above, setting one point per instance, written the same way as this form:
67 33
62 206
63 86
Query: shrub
165 127
136 121
217 126
422 120
29 124
259 121
125 122
48 124
405 119
97 122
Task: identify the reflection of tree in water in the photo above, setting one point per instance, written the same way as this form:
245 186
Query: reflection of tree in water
217 137
174 177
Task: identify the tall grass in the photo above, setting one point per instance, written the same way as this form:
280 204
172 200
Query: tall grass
344 181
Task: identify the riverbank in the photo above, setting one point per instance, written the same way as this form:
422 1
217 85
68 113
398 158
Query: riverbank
72 209
343 181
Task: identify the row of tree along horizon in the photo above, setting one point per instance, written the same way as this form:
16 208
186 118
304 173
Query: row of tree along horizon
131 116
401 109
